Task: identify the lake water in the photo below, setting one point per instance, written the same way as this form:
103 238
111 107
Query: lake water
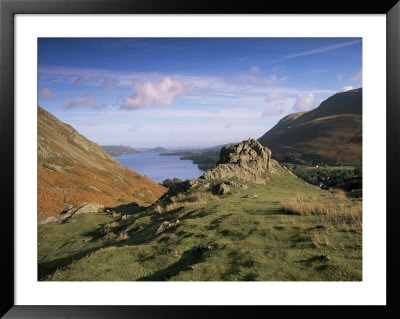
158 167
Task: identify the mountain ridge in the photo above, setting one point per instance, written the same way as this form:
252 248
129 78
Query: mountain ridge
73 169
330 134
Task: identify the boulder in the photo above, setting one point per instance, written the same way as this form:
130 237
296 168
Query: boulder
251 196
49 219
236 185
70 211
221 189
248 160
128 227
163 225
83 208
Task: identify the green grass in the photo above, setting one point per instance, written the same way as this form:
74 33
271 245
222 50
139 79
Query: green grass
230 237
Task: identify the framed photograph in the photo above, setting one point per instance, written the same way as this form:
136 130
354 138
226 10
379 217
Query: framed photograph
173 158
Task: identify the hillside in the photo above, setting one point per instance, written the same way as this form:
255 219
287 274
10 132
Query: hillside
246 219
158 149
118 150
72 169
204 158
330 134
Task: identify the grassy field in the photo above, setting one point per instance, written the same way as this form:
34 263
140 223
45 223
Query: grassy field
256 233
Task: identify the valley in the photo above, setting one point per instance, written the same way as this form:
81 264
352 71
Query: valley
200 159
253 221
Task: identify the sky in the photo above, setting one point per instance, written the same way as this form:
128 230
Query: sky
189 92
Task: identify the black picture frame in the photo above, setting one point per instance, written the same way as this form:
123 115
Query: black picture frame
8 9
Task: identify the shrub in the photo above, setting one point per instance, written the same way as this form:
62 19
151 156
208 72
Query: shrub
337 193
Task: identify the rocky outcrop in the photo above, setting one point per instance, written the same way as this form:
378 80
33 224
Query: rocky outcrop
83 208
248 160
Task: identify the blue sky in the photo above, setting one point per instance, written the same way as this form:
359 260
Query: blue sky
182 92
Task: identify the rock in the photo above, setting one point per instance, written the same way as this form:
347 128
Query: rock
221 189
162 227
173 253
251 196
128 227
236 185
324 257
50 219
248 160
122 236
201 249
125 217
83 208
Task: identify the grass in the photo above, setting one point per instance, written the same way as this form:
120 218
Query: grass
214 238
336 209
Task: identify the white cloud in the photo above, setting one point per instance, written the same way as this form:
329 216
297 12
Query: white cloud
199 84
347 88
45 93
273 111
244 78
304 102
271 79
250 78
88 101
227 126
339 77
276 96
149 93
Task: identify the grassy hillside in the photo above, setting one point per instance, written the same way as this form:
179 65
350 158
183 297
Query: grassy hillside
330 134
72 169
285 230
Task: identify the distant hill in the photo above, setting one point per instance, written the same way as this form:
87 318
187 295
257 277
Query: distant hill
118 150
330 134
72 169
158 149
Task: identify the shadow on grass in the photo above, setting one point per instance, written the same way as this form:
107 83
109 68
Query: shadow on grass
238 260
49 267
316 259
188 259
269 211
127 209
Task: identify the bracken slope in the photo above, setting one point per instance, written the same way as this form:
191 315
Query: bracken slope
72 169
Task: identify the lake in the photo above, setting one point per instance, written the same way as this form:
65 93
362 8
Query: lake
158 167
